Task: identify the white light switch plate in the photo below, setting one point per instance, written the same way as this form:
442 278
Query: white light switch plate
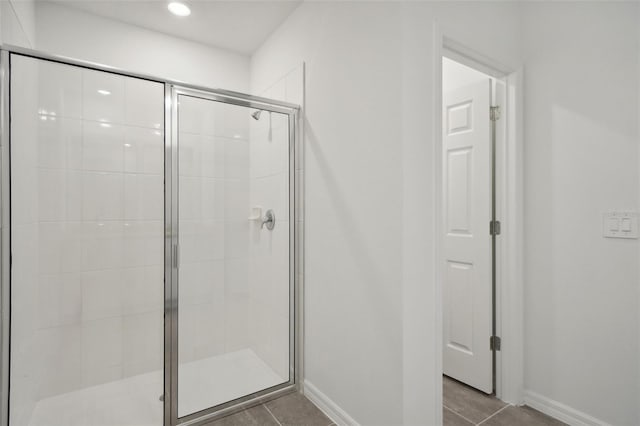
620 224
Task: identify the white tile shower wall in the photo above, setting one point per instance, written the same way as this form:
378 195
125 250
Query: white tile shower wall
214 206
88 231
269 250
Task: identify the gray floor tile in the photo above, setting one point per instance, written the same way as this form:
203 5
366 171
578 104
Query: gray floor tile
449 418
468 402
255 416
296 410
521 416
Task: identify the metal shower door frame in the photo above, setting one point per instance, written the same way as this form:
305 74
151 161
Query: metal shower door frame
5 235
171 90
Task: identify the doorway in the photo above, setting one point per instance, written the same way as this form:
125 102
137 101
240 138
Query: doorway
509 325
471 107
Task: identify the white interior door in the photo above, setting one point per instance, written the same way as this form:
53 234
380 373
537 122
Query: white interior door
467 214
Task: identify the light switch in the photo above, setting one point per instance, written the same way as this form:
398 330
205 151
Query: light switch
620 224
614 224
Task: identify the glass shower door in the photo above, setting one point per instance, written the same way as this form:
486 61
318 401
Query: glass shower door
234 288
87 245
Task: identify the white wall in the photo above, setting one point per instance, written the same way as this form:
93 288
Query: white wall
581 154
369 212
370 301
72 33
17 22
353 336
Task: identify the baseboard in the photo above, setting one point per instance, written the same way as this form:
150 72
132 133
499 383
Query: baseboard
327 406
562 412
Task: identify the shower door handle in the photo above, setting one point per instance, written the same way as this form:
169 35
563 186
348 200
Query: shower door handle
269 220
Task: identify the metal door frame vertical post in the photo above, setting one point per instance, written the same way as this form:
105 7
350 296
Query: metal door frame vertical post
5 232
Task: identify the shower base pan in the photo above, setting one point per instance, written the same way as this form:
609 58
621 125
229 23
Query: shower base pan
135 401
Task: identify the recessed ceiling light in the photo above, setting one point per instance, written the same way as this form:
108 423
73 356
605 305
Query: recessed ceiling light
179 9
104 92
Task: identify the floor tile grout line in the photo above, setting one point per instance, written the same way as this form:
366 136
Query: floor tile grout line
458 414
272 415
494 414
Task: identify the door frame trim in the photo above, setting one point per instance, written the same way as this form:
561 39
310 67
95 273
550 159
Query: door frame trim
509 192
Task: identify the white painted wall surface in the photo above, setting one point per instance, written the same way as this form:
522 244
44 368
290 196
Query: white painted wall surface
353 306
581 154
17 22
581 159
369 180
69 32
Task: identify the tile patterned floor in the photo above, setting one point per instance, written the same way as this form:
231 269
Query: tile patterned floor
465 406
290 410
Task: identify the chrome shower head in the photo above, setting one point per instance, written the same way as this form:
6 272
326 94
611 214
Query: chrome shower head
256 114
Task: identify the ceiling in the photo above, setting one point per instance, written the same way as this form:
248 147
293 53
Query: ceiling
240 26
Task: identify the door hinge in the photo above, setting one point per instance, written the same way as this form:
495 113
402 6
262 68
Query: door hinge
494 227
494 113
494 343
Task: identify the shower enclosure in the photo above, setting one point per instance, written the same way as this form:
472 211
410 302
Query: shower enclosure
147 247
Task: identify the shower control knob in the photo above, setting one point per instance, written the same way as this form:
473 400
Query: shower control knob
269 220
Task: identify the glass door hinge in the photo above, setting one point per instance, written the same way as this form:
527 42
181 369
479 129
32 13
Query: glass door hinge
494 343
494 227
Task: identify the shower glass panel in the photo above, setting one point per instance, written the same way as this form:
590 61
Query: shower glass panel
87 240
234 276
